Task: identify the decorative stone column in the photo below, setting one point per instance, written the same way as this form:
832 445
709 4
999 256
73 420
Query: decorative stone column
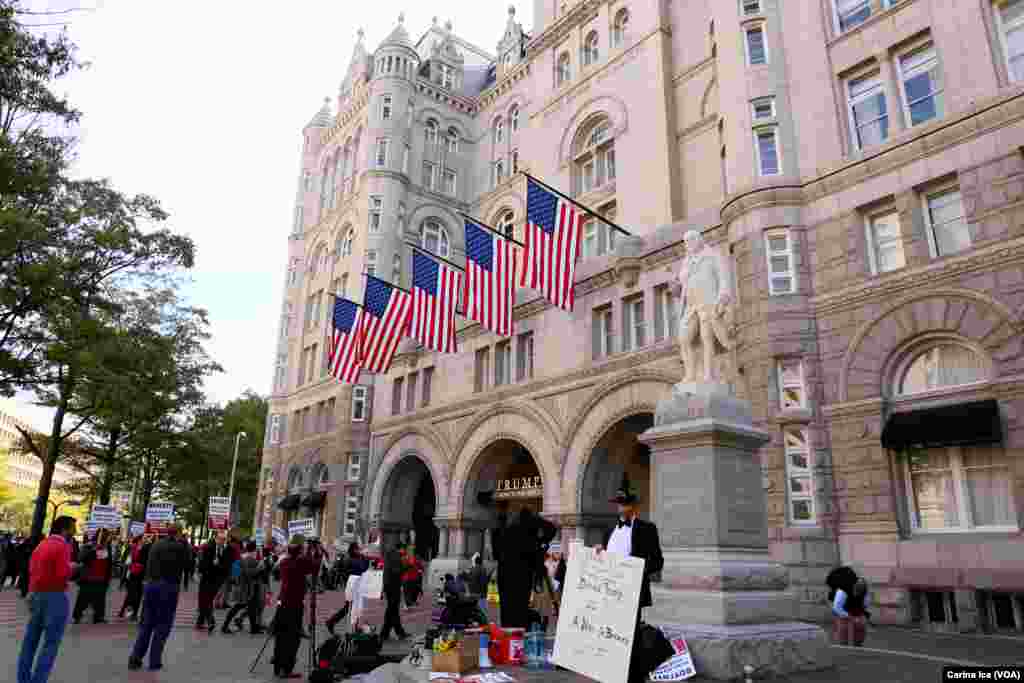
442 541
720 588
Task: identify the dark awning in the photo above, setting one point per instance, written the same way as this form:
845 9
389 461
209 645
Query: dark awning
290 502
314 500
953 425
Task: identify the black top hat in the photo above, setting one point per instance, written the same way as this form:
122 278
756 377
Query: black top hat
625 495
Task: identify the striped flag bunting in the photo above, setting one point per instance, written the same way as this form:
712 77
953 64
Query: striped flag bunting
490 278
386 313
552 244
346 351
435 293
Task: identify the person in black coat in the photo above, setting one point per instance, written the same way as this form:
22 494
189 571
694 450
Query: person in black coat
635 537
523 547
393 595
215 563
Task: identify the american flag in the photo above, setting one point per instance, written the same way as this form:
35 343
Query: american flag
490 278
552 237
346 343
386 311
435 294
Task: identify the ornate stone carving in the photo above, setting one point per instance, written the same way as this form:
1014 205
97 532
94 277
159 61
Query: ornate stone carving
708 313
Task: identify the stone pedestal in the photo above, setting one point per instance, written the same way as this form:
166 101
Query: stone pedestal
720 589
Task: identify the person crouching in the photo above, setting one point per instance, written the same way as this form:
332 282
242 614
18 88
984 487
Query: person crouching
848 608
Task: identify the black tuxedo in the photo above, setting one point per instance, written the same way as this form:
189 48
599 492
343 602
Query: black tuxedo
647 546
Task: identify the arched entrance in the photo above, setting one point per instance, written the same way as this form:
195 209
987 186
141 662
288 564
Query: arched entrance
617 454
408 507
504 480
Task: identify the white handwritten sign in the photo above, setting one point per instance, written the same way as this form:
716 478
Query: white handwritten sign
597 621
160 511
306 527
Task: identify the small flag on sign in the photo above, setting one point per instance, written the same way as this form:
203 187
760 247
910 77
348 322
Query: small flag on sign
386 311
552 237
490 278
435 292
346 352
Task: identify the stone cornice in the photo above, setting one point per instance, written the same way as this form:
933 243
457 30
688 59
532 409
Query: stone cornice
693 69
560 28
466 105
571 381
492 94
698 128
987 258
865 408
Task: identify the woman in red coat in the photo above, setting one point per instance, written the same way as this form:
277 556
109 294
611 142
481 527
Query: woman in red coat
412 575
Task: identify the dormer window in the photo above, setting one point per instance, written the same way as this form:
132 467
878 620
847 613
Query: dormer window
431 133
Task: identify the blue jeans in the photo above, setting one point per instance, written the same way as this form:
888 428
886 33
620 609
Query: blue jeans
159 604
48 615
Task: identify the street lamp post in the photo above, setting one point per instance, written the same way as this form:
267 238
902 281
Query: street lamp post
234 466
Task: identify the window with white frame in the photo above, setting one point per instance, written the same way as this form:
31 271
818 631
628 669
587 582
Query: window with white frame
563 70
499 172
799 477
524 356
869 118
499 131
451 140
598 238
851 13
591 52
781 266
506 223
371 262
434 238
429 175
431 132
281 372
396 395
355 466
350 238
1010 22
763 108
619 27
381 155
604 332
448 182
481 366
664 313
428 381
756 45
948 231
921 86
634 325
946 365
792 386
750 8
766 140
406 154
502 363
885 243
515 162
275 429
966 488
594 156
376 212
385 108
513 118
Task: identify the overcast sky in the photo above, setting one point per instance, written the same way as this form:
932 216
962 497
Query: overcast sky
201 104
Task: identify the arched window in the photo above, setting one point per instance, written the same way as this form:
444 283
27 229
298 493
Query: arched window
506 223
499 130
564 69
942 366
295 478
434 238
350 238
513 118
431 132
499 172
316 261
590 49
594 156
452 140
619 28
336 176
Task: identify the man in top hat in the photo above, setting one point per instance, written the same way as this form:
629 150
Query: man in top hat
634 537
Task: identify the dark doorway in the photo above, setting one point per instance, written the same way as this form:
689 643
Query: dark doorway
424 509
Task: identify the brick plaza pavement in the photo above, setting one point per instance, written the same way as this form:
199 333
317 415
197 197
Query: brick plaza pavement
99 653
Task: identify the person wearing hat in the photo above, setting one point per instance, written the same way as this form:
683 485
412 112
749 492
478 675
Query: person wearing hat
300 562
634 537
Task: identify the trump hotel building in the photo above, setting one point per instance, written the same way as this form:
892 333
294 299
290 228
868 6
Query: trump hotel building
860 163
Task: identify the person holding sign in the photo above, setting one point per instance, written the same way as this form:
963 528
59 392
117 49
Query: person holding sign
634 537
97 561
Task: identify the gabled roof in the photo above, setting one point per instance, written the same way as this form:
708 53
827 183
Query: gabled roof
323 118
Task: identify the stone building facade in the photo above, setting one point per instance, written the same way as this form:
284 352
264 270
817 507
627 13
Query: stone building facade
861 164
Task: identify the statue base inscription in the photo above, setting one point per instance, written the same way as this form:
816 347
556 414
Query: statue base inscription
720 588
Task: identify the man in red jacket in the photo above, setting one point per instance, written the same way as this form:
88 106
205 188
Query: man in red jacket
49 571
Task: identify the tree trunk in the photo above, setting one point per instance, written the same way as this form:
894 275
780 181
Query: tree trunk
52 455
109 458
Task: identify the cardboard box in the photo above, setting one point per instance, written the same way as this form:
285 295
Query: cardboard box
464 658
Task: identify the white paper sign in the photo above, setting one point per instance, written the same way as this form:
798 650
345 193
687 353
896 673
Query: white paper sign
306 527
597 621
220 507
257 537
136 529
160 512
105 517
279 535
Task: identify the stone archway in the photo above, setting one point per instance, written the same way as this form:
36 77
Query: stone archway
408 505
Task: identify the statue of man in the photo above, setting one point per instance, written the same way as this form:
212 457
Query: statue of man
705 300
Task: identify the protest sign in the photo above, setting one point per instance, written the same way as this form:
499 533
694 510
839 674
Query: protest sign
257 537
105 517
279 536
306 527
679 666
136 528
597 620
219 512
160 511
